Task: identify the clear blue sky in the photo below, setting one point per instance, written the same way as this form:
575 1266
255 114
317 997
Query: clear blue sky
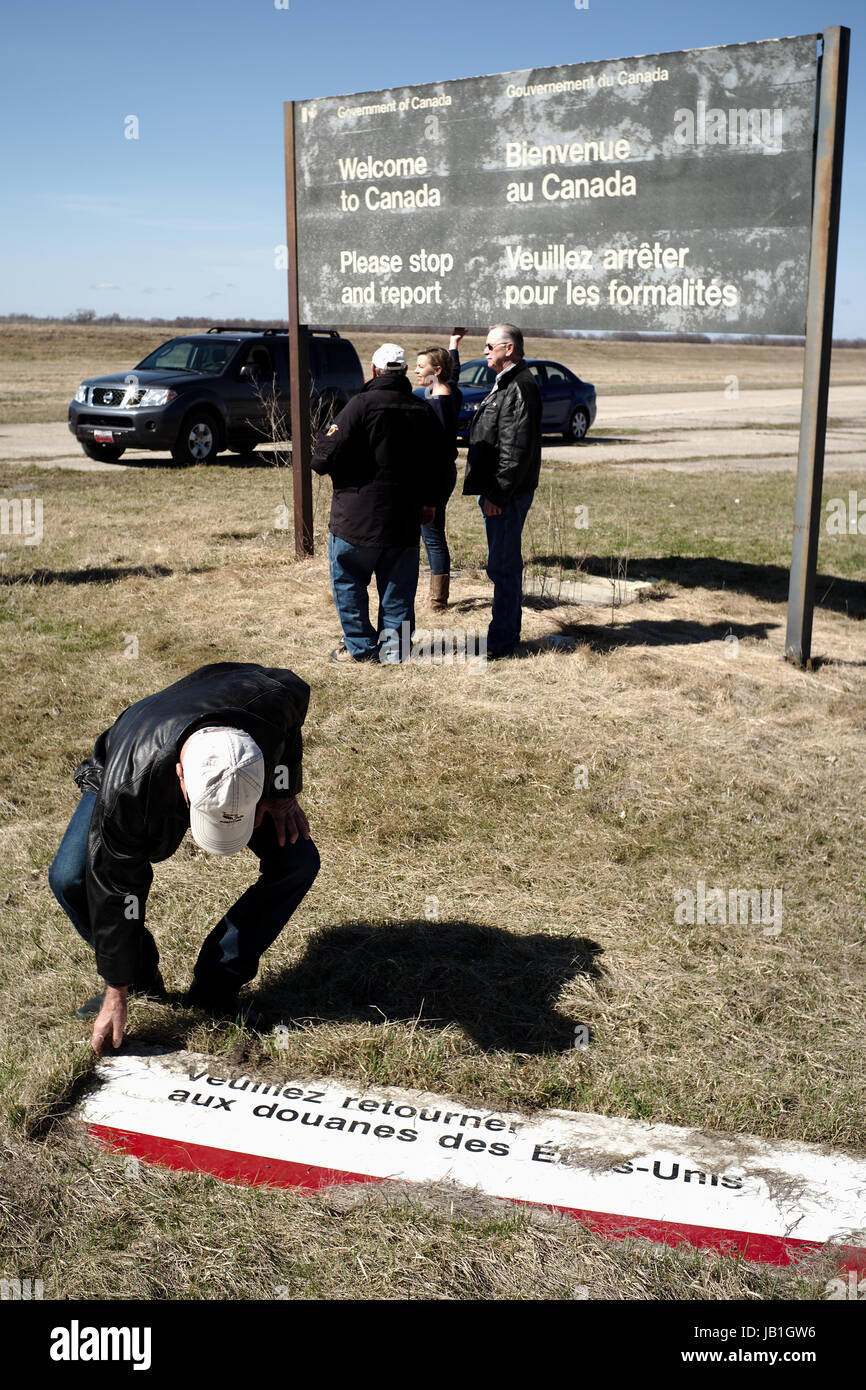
185 219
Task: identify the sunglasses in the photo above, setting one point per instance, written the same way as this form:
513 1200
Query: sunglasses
491 347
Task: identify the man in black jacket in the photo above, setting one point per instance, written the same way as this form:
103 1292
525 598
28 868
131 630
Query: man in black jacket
387 456
503 468
219 753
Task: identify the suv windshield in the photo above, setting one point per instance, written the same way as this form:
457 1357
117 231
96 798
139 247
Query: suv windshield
191 355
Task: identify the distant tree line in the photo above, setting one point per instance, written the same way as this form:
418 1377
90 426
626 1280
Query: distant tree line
188 321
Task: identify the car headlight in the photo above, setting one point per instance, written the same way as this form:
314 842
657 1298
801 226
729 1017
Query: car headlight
157 395
81 395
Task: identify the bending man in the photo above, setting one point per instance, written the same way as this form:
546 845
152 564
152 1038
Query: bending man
217 753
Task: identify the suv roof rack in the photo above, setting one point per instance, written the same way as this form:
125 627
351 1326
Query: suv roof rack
320 332
272 332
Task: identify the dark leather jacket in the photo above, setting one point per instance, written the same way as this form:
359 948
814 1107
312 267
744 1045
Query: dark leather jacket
505 438
140 816
388 456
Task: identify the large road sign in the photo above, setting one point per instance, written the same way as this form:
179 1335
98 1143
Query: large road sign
663 193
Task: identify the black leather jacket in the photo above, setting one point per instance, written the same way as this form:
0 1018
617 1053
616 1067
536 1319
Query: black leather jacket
140 816
388 456
505 439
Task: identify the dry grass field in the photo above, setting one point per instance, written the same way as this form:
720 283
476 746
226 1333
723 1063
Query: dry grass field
706 758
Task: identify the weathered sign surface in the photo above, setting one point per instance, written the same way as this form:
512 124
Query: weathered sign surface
669 193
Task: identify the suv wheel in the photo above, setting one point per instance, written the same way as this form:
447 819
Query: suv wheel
198 440
577 425
105 453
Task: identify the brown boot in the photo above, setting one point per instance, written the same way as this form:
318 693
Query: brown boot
440 585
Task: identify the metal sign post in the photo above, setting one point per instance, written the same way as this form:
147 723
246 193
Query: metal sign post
827 189
299 368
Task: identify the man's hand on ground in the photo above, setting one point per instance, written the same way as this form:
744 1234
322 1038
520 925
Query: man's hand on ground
491 509
110 1021
287 816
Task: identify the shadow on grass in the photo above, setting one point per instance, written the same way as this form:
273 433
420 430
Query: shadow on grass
678 632
467 605
768 582
100 574
499 987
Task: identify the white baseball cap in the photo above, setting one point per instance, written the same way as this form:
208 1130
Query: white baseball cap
224 774
389 355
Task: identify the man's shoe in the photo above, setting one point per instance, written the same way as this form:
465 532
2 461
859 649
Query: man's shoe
226 1006
211 1001
342 654
154 989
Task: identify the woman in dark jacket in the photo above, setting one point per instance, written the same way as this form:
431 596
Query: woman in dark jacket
438 370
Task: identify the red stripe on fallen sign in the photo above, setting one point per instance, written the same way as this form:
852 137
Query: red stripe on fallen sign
255 1170
252 1169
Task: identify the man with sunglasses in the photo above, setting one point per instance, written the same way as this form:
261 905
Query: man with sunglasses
502 469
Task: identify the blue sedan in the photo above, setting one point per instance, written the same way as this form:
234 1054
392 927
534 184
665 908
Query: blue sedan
568 403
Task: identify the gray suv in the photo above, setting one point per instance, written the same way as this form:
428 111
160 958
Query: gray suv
204 392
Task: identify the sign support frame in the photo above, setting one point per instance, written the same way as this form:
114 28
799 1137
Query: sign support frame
828 142
299 366
826 196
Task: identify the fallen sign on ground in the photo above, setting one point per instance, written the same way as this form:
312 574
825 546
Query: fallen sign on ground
772 1202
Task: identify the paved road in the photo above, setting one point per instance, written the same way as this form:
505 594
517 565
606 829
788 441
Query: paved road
683 431
699 431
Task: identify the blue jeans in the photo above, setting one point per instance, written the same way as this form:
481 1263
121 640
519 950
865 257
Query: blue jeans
505 571
352 567
230 955
433 535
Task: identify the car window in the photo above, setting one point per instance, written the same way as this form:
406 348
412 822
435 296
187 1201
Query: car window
342 357
537 371
212 359
476 374
334 362
257 355
556 375
208 357
175 354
